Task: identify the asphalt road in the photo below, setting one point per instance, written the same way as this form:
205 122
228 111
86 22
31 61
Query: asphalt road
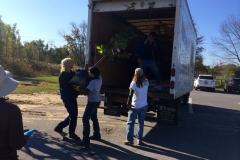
208 128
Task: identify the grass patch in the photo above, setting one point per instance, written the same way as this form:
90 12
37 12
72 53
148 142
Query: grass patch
47 84
219 89
50 79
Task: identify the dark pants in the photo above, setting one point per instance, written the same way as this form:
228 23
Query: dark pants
71 120
153 67
90 113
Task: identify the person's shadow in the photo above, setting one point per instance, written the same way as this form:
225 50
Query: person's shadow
43 146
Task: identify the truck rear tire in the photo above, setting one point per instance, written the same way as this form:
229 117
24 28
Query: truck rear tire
185 99
229 90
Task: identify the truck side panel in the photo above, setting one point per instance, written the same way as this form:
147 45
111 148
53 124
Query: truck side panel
120 5
184 48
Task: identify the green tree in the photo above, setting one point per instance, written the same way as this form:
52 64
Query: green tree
10 42
199 66
230 68
55 55
30 51
39 45
2 26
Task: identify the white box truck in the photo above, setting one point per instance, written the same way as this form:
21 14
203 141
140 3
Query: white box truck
172 21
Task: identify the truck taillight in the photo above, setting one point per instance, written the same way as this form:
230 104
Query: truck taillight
172 84
173 72
231 83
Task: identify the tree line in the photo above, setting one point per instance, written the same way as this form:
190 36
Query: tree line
227 49
36 55
11 47
31 57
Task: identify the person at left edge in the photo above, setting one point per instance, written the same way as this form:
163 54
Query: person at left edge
12 137
69 98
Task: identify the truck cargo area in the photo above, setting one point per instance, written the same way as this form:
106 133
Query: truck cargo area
118 74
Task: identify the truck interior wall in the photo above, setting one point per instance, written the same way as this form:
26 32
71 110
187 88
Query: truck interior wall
116 73
120 72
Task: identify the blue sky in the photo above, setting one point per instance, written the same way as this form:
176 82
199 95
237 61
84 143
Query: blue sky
43 19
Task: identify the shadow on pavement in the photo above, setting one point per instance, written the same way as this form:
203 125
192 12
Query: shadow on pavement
48 147
220 91
43 146
208 133
117 151
213 133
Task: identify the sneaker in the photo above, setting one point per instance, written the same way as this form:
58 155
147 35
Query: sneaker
83 145
58 130
139 142
126 142
74 136
95 137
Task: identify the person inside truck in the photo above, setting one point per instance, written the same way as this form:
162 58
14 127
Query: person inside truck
11 124
137 105
148 55
93 102
69 98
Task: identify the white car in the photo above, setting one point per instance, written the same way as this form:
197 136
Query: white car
205 82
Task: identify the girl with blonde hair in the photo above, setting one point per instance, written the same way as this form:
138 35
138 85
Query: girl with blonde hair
69 98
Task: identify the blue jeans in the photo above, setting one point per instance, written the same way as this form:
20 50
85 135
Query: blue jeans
145 63
132 114
72 108
90 113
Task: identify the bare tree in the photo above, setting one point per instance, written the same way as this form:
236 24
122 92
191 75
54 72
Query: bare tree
76 42
229 43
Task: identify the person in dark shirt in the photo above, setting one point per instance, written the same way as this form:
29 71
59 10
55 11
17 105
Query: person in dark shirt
12 137
149 54
69 98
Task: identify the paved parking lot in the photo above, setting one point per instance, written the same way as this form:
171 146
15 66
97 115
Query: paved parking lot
46 144
198 136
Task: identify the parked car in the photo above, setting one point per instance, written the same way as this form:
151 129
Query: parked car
205 82
232 84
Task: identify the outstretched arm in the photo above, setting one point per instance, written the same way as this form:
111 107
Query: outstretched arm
130 95
85 91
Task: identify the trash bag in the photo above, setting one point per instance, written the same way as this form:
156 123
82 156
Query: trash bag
81 78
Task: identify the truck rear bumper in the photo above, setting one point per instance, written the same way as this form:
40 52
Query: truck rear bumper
152 94
205 86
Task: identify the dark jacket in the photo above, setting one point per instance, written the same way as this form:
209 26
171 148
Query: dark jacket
142 47
11 130
66 89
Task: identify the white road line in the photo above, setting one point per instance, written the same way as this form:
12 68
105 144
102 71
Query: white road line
238 103
190 105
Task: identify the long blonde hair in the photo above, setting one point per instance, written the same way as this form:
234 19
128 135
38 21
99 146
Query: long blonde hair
65 65
139 80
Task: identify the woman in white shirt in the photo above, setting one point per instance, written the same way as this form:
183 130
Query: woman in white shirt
137 105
